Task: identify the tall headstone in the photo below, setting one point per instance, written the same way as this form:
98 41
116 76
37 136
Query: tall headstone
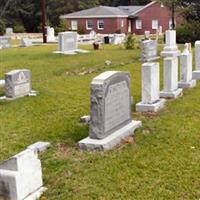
171 89
186 80
196 73
151 101
17 83
5 42
171 48
149 50
111 119
9 31
21 177
50 34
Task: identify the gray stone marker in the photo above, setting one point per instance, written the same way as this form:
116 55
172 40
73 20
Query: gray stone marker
186 80
26 42
111 119
9 31
68 44
21 177
151 101
50 34
196 73
5 42
171 48
171 89
17 83
149 50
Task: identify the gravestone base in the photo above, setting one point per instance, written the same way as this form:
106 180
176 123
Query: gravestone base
37 194
196 75
155 107
170 53
188 85
110 141
150 59
74 52
172 95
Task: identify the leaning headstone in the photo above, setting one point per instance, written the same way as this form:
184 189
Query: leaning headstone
196 73
149 50
151 101
26 42
50 34
21 177
171 89
171 48
5 42
186 80
111 119
17 83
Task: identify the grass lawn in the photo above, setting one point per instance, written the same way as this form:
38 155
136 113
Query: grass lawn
163 162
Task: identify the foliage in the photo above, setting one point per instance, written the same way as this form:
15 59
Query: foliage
188 32
62 26
2 26
19 29
130 41
81 30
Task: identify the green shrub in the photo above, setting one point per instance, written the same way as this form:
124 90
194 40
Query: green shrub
81 30
188 32
130 42
2 26
19 29
62 27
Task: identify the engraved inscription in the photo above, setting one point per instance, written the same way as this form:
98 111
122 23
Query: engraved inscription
117 103
22 89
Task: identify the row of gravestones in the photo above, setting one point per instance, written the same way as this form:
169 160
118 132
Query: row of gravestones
110 119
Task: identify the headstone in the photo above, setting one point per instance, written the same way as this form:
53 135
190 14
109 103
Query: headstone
196 73
171 48
9 31
26 42
18 83
186 80
171 89
149 50
119 39
5 42
21 177
111 119
151 101
50 34
68 43
147 35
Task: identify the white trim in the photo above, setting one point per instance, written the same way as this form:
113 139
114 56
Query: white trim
93 16
141 9
98 24
74 28
88 28
138 25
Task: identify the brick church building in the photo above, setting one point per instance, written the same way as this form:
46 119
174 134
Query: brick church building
124 19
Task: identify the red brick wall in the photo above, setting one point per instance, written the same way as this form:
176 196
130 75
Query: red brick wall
153 12
111 25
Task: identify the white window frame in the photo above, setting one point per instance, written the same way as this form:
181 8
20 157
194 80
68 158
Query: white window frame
98 24
87 24
74 25
155 24
138 24
122 23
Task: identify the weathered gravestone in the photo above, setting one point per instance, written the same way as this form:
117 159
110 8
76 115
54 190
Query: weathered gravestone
149 50
119 38
21 177
17 83
50 34
68 43
9 31
111 119
186 80
26 42
151 101
5 42
196 73
171 89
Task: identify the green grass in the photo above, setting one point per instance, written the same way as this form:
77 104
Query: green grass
162 163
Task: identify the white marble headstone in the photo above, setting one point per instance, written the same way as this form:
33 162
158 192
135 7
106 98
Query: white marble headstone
5 42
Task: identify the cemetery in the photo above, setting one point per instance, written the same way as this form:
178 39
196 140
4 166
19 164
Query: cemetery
100 115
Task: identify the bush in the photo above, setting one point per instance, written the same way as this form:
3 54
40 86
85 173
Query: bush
62 27
81 30
130 42
188 32
2 26
19 29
